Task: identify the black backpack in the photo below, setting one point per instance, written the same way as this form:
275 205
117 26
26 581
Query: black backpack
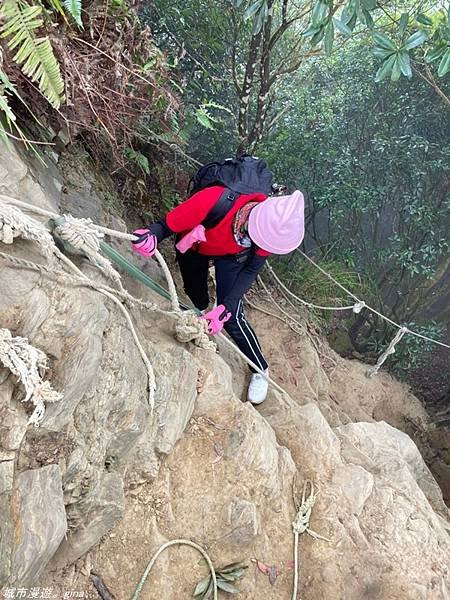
243 175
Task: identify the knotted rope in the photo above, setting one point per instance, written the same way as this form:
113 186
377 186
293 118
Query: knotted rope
389 350
28 364
82 235
187 329
301 525
14 223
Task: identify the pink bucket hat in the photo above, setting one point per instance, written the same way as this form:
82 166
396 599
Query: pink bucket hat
277 225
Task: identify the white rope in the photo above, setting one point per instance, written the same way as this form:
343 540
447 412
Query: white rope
355 307
285 313
301 525
363 304
39 234
389 350
138 591
188 325
83 235
28 364
14 224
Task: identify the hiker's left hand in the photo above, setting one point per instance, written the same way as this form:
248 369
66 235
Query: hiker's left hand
216 319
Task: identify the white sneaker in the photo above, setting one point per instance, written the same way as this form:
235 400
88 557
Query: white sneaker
257 390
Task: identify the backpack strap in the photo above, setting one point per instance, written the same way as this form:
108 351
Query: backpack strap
224 204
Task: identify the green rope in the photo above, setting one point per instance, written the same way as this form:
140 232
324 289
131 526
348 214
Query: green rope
135 272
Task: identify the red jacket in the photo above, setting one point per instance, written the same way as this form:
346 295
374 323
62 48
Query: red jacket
219 239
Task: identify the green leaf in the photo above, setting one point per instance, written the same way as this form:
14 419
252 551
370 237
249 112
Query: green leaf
347 14
424 20
382 52
383 41
405 64
318 37
416 39
435 54
209 592
204 118
228 576
396 71
227 587
319 11
444 65
259 22
342 27
403 24
233 566
311 30
218 106
329 38
202 586
351 24
368 18
369 4
253 9
34 54
56 4
385 69
73 7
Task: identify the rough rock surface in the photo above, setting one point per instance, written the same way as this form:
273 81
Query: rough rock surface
39 521
203 465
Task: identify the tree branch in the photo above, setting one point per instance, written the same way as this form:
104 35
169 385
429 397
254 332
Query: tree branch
432 82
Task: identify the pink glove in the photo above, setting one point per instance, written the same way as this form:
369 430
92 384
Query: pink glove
195 235
216 319
145 244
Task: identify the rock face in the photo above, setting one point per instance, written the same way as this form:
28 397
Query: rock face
105 475
41 522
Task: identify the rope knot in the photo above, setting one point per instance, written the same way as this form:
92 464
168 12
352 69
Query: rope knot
358 306
189 328
14 223
28 364
83 235
389 350
80 233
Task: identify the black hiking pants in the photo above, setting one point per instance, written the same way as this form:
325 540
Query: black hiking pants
231 275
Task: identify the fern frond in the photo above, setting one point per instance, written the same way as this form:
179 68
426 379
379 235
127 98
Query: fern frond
7 117
35 55
57 6
73 7
6 113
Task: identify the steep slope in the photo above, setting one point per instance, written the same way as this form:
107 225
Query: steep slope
104 481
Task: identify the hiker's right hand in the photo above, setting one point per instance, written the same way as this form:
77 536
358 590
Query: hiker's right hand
145 243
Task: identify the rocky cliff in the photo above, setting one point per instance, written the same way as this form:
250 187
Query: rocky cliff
103 481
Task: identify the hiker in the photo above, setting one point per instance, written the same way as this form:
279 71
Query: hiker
251 226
